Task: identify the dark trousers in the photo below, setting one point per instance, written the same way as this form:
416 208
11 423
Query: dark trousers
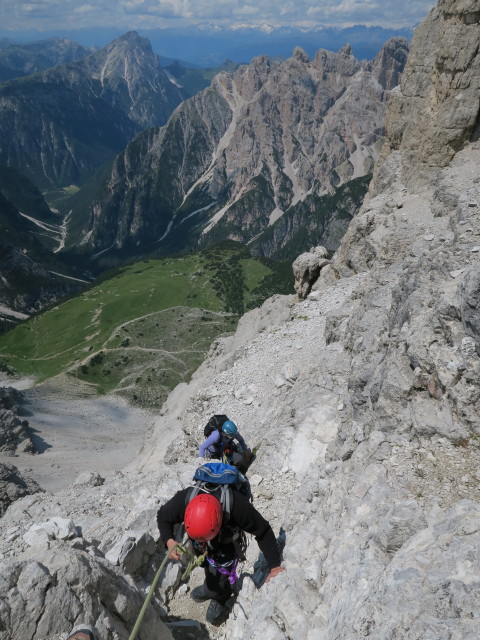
219 583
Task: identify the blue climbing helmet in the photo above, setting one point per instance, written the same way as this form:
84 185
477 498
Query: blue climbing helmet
229 428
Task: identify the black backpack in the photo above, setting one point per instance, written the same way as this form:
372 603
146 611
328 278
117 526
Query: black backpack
215 422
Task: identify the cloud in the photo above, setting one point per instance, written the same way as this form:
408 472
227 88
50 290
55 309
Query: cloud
84 8
131 14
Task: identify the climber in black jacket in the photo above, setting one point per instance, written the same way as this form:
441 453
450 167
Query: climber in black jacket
205 526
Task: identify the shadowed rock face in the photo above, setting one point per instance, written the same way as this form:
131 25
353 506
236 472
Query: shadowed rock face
15 436
13 485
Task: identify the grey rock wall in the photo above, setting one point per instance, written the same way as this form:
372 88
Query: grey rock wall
436 110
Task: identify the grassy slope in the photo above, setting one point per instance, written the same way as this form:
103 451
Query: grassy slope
147 327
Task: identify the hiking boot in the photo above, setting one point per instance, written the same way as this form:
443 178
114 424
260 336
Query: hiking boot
202 593
81 632
216 613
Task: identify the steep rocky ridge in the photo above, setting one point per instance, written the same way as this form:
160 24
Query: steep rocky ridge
236 157
59 125
445 99
24 59
363 403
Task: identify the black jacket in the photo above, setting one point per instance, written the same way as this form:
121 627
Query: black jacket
243 515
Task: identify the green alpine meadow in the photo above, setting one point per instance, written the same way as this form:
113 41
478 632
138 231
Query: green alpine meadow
143 328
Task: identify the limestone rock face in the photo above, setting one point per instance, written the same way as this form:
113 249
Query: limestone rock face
367 460
46 592
436 109
362 403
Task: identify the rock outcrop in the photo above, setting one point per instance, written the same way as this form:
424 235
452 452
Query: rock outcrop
14 432
436 112
13 485
306 270
256 144
49 590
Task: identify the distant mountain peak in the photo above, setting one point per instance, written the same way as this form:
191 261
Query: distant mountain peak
346 50
301 55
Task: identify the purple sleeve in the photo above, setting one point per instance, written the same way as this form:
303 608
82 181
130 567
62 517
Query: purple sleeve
213 438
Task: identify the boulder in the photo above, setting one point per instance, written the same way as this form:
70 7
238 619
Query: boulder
132 552
306 270
89 479
53 529
46 593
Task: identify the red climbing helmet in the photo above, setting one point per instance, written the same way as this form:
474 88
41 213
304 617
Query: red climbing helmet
203 517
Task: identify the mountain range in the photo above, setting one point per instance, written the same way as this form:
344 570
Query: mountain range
208 45
59 125
276 154
260 142
26 59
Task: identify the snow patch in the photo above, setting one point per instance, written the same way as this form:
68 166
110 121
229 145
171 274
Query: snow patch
51 228
167 231
63 232
209 206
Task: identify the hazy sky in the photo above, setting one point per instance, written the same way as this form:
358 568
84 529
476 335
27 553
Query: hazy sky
137 14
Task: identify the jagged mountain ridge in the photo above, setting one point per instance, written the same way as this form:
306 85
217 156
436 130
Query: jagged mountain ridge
235 157
60 125
21 60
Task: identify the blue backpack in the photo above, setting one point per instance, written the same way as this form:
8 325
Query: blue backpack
219 478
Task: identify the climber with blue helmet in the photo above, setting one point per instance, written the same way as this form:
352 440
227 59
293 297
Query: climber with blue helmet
229 428
220 434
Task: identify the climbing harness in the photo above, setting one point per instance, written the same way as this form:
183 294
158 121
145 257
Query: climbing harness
227 569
